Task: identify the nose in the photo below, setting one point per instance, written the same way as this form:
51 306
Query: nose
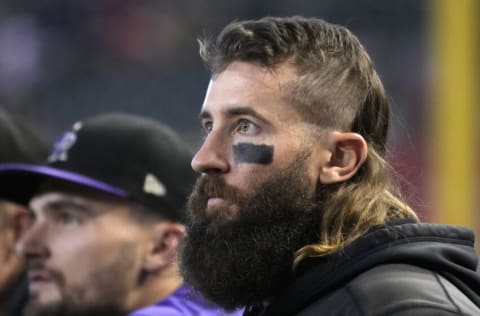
32 243
212 157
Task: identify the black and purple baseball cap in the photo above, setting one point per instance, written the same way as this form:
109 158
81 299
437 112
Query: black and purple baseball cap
129 156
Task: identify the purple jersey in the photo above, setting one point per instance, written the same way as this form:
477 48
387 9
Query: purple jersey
183 302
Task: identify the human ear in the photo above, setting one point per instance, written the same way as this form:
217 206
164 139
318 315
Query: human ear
165 239
348 151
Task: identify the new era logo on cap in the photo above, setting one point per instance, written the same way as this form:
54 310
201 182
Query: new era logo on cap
153 186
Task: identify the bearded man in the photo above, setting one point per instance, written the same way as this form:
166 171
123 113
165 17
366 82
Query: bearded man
294 213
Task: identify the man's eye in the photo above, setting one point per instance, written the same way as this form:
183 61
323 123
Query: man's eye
247 127
207 126
66 218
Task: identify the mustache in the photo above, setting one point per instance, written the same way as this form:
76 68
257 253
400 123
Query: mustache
209 186
35 264
39 265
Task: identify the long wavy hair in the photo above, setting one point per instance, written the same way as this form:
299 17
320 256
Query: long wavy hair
336 88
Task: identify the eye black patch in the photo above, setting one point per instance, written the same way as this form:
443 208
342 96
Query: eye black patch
251 153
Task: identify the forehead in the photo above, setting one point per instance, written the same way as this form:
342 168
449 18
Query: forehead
244 84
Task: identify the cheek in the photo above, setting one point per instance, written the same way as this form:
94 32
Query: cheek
252 153
250 177
3 248
76 256
71 261
113 273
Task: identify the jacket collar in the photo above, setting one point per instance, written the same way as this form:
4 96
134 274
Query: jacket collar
443 248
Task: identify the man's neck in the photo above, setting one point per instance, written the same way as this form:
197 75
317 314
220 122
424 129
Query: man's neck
154 289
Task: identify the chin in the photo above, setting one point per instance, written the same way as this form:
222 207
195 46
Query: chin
45 297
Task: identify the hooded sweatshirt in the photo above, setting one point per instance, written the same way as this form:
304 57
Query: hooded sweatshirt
399 269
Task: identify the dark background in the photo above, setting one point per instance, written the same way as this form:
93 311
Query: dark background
64 60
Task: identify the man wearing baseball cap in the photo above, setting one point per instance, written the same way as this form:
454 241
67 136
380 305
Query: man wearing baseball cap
108 208
18 142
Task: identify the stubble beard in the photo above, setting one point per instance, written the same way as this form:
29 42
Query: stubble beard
109 283
71 308
248 259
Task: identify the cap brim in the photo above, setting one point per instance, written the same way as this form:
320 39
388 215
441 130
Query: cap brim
19 182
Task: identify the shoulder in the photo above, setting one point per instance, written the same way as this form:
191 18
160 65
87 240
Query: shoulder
394 290
401 289
157 310
183 311
184 302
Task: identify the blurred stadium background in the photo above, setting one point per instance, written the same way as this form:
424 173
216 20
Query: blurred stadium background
64 60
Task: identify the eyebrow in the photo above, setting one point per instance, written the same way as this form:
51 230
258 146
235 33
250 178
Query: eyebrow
236 111
53 206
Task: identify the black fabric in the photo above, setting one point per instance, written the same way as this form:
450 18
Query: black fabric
442 249
17 299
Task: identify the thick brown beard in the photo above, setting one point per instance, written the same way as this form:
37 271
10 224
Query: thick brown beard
248 259
213 185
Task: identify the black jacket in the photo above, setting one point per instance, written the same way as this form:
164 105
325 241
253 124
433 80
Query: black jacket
17 298
404 269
